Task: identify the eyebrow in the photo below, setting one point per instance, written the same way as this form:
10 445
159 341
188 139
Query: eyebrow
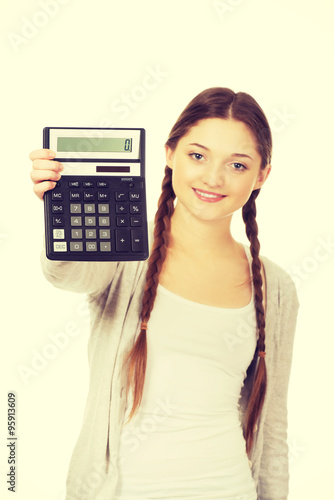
241 155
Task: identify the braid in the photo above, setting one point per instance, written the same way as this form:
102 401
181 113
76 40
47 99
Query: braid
160 244
138 353
256 399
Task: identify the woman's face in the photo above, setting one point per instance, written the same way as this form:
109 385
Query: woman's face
215 169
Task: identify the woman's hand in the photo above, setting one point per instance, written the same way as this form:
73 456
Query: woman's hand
45 172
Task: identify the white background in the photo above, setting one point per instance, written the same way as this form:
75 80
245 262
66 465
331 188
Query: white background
73 66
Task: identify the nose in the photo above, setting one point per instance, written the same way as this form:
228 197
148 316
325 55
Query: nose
214 176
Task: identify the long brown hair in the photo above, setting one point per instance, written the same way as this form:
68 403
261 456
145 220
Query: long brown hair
223 103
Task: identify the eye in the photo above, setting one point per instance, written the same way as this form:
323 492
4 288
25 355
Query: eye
240 167
197 156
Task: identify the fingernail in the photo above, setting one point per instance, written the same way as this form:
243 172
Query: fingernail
52 154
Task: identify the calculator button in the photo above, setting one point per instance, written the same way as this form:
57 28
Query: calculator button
103 208
58 221
103 196
89 196
60 246
91 246
75 196
75 208
135 209
104 221
57 209
74 184
88 184
76 234
58 234
121 209
90 221
122 221
120 196
105 246
122 240
76 221
136 221
76 246
134 196
102 184
57 195
89 208
137 240
90 233
104 234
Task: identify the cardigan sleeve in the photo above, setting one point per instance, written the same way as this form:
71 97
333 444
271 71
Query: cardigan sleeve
81 277
274 469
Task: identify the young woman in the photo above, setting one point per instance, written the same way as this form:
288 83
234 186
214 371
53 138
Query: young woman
190 351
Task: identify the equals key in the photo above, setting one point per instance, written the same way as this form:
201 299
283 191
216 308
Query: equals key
137 240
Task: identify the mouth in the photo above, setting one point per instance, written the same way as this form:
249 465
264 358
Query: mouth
208 196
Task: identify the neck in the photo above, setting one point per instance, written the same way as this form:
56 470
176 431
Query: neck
202 239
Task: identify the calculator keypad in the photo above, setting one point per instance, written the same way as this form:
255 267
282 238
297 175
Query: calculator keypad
93 219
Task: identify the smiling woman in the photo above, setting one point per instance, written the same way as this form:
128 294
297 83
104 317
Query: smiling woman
196 260
200 336
204 169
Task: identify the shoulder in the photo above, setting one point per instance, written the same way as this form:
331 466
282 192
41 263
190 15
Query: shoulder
277 274
279 283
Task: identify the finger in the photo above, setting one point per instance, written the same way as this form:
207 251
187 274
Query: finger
47 165
40 188
44 175
42 153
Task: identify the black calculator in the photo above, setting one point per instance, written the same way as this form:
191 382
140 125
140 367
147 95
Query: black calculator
97 210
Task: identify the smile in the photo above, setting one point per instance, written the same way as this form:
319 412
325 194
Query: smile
207 196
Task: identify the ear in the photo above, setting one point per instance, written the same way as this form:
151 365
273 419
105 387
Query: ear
169 156
262 177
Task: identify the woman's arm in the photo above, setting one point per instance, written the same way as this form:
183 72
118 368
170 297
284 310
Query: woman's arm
81 277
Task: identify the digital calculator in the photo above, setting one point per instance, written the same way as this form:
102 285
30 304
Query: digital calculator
97 210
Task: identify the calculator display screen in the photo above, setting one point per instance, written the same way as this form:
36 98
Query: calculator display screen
94 144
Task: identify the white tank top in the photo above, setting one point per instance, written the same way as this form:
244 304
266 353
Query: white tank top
186 440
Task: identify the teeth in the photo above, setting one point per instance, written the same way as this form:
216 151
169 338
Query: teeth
206 195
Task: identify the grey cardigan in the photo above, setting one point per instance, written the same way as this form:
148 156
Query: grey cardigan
114 295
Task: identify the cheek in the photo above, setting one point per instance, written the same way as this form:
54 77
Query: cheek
242 186
182 178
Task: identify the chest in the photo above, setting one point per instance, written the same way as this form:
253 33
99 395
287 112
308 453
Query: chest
213 284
